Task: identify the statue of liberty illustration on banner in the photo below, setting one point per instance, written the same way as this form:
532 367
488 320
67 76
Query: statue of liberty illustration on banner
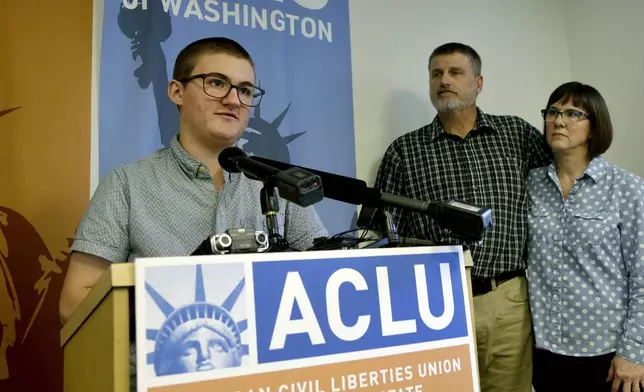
202 332
302 55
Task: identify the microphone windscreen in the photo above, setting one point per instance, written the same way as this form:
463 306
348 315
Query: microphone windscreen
227 158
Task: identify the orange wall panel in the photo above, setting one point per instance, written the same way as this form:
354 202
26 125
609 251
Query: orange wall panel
45 72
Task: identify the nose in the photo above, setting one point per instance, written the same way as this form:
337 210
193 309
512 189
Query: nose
232 99
204 352
559 121
445 79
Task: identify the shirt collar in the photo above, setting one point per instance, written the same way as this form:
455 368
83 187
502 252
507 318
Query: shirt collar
192 167
483 122
595 169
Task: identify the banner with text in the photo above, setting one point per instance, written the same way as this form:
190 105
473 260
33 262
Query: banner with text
302 55
334 321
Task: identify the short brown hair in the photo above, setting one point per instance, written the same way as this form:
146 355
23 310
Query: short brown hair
589 99
455 47
189 56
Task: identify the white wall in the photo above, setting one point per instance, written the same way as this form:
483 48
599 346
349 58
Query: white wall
606 45
522 44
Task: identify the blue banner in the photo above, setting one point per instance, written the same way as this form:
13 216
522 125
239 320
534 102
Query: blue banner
311 308
302 54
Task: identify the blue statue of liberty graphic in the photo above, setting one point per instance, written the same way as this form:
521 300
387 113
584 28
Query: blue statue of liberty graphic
147 29
198 336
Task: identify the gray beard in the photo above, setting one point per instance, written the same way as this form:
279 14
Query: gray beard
455 104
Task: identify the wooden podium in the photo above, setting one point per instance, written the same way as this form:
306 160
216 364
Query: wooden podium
96 339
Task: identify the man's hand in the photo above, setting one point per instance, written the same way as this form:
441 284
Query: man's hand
626 373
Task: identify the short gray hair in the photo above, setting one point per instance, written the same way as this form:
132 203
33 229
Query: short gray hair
455 47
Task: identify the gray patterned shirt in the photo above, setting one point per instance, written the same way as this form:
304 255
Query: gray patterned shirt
166 205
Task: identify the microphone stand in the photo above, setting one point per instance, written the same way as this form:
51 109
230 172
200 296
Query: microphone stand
391 239
270 208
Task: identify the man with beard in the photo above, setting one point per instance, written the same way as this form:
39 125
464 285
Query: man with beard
483 159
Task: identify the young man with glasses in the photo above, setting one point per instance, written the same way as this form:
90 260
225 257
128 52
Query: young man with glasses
169 202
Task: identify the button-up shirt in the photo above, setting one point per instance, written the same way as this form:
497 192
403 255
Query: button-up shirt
166 205
586 262
488 168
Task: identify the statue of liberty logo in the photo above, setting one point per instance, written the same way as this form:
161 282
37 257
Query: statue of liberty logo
201 335
147 30
264 139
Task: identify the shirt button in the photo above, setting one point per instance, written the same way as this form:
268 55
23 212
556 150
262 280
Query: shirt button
201 169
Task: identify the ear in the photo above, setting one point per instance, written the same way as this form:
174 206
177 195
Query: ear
479 84
175 92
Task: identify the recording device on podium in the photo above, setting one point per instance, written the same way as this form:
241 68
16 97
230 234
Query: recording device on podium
305 187
240 240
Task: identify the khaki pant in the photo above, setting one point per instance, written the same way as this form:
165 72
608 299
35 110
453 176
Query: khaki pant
504 338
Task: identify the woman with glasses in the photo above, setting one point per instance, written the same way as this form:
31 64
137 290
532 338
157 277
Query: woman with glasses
585 254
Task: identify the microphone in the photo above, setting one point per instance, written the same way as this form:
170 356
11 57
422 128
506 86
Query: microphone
341 188
464 220
293 184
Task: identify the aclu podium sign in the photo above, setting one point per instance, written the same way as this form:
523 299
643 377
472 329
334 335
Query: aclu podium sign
329 321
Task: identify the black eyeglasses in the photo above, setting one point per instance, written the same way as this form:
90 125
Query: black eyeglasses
569 116
216 86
